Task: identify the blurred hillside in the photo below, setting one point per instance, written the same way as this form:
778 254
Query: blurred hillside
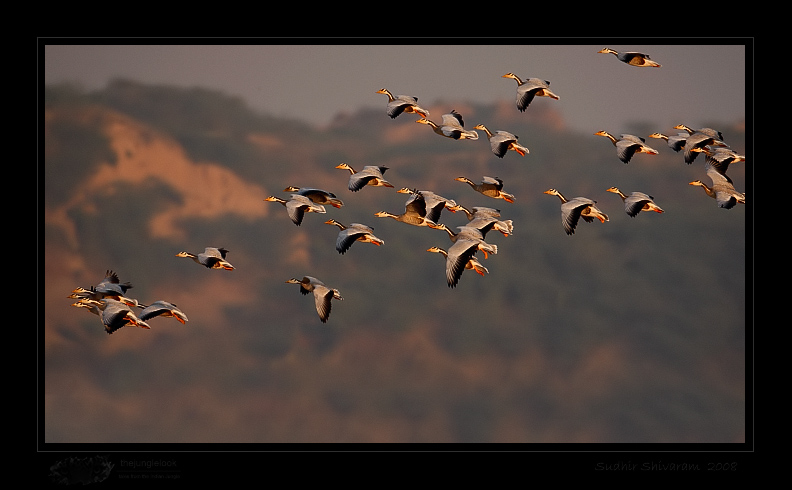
629 331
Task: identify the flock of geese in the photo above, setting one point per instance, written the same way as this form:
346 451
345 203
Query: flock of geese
423 208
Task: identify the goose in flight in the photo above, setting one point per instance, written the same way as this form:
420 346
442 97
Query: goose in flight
502 141
318 196
322 294
490 187
414 213
676 143
719 158
211 258
632 58
162 308
355 232
712 133
114 314
369 175
452 127
506 227
574 209
530 88
109 287
722 189
460 257
628 145
636 202
402 103
474 231
697 141
435 203
297 206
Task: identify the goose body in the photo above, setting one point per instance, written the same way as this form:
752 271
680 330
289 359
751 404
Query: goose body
162 308
628 145
574 209
211 258
369 175
636 202
722 189
318 196
402 103
414 213
297 205
490 187
459 257
502 141
323 295
451 127
352 233
530 88
632 58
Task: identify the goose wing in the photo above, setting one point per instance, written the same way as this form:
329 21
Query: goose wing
571 211
458 256
453 119
323 300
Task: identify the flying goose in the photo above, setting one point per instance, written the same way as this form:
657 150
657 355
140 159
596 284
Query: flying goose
114 314
502 141
322 294
722 189
109 287
632 57
452 127
637 202
676 143
719 158
414 213
528 89
712 133
698 140
297 206
458 258
628 145
211 258
490 187
574 209
475 232
352 233
318 196
454 266
435 203
402 103
506 227
162 308
369 175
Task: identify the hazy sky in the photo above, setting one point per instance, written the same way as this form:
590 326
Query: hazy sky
696 83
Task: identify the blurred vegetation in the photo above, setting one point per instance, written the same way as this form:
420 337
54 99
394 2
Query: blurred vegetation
666 292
